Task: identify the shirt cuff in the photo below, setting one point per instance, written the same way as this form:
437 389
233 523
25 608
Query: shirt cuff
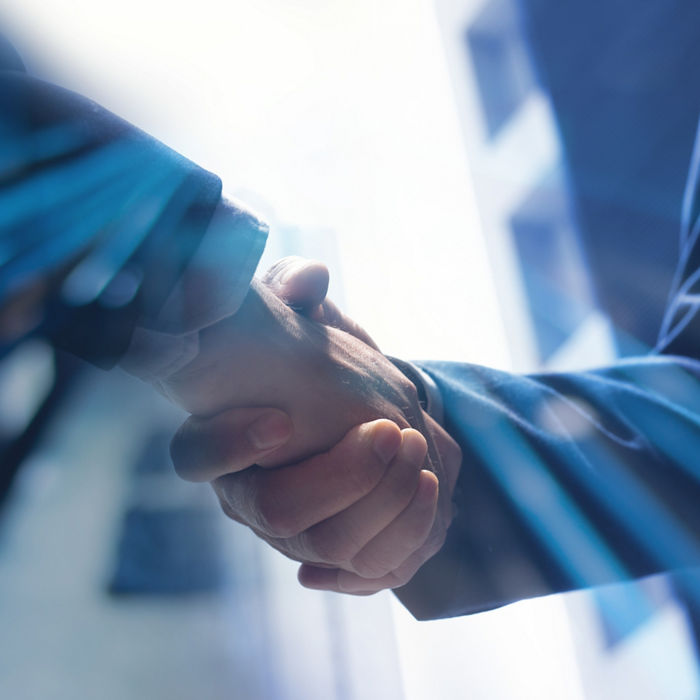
428 392
216 279
436 408
212 286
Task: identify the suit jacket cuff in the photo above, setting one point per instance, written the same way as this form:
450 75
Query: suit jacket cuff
428 392
212 287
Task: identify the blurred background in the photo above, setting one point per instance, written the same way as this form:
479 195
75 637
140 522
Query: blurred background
412 146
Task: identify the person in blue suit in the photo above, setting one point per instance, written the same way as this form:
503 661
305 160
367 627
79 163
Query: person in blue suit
568 480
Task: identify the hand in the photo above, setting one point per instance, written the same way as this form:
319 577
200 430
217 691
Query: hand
205 449
361 517
326 380
399 541
303 284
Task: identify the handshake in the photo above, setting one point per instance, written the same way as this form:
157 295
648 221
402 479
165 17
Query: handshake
314 439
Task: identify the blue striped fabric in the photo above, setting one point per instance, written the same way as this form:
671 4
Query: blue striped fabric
81 189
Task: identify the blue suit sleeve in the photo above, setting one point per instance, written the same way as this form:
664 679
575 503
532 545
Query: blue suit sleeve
568 481
77 183
575 479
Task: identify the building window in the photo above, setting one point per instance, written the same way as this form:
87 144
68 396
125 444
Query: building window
501 64
551 263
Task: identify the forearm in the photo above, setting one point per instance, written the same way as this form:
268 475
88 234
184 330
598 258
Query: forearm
568 480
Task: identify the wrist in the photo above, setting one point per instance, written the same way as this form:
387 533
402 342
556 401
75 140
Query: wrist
429 394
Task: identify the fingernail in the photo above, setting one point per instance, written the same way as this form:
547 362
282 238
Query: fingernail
270 430
428 487
386 444
414 447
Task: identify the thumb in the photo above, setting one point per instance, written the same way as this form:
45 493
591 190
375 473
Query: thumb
204 449
298 282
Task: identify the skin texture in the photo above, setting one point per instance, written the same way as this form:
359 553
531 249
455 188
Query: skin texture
334 484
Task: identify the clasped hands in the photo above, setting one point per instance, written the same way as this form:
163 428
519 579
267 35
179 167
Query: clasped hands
313 439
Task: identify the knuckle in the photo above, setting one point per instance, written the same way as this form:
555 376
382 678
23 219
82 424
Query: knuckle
325 545
229 512
369 566
400 579
269 512
406 571
222 491
434 543
273 521
225 507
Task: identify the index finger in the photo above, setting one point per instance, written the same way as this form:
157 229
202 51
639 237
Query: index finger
285 501
204 449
